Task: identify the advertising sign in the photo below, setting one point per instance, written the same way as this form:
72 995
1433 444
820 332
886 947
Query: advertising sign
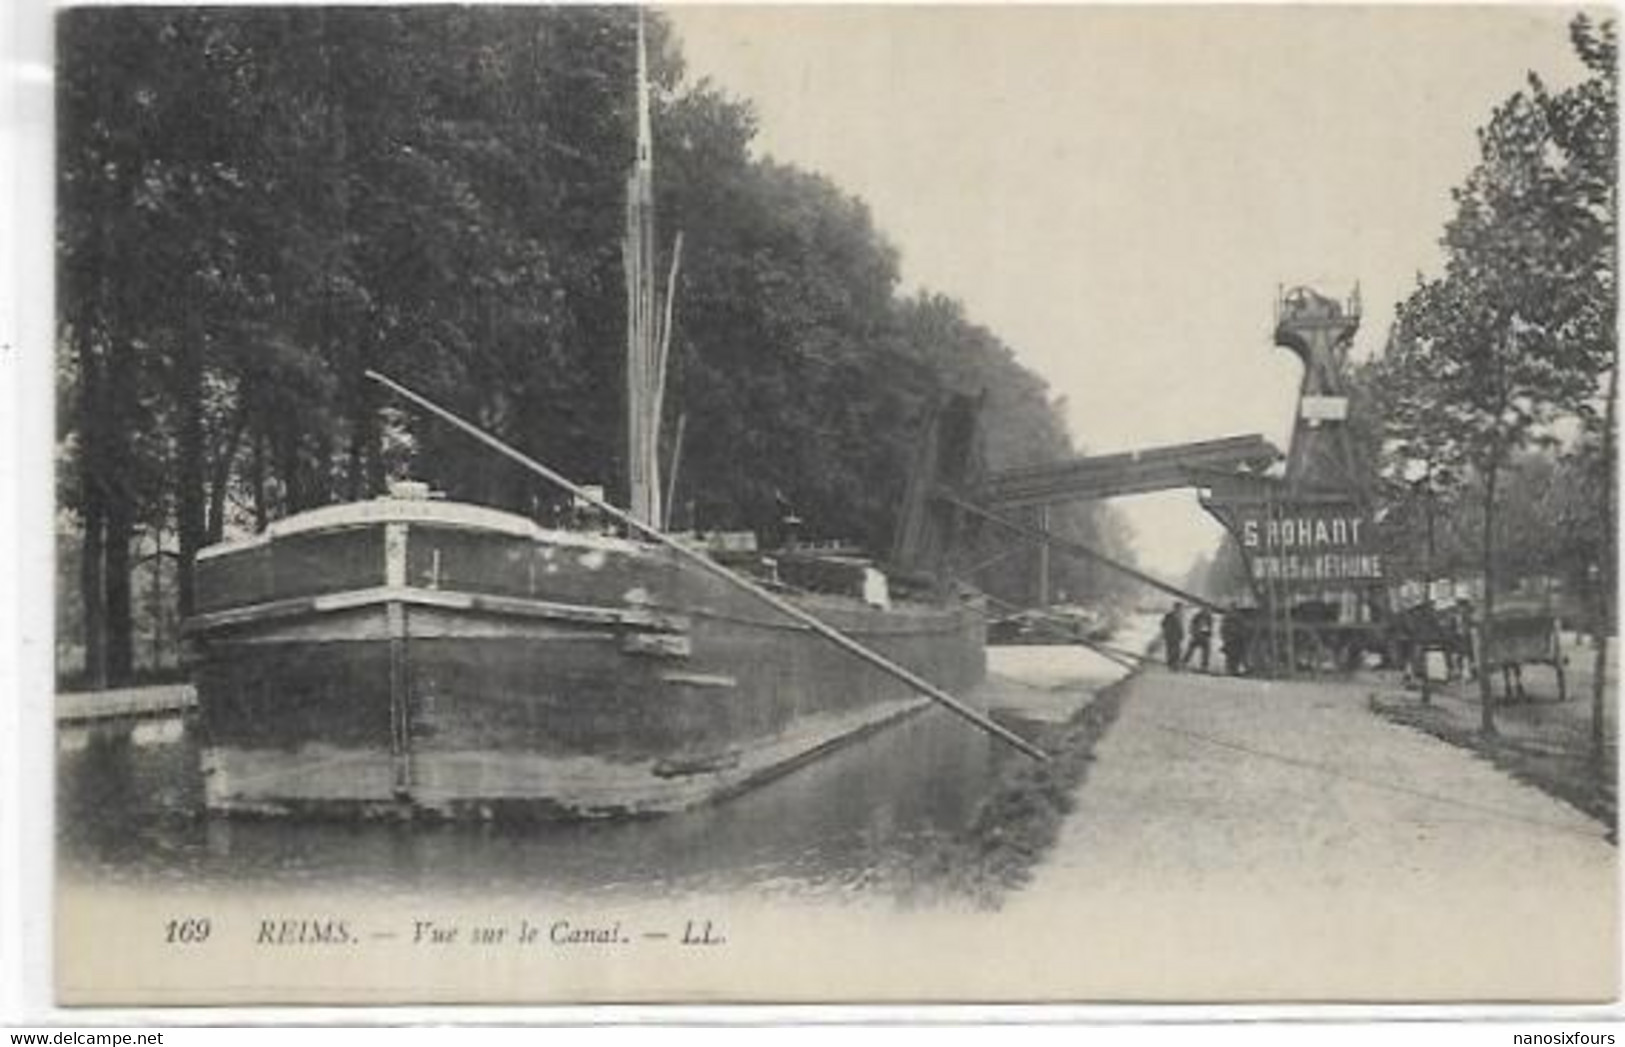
1311 544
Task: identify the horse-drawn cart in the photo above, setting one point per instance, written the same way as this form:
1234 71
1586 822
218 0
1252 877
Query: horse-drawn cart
1517 639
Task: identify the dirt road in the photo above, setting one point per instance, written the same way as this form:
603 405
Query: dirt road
1254 840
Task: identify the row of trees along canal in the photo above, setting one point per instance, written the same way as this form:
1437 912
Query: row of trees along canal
258 205
1487 422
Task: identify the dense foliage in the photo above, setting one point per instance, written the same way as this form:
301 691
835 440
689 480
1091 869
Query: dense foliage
256 205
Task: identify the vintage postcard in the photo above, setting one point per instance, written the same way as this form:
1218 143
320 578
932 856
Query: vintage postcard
796 504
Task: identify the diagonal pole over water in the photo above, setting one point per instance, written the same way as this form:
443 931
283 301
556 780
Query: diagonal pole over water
1066 545
817 625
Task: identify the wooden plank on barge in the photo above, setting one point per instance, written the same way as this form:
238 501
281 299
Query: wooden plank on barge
81 706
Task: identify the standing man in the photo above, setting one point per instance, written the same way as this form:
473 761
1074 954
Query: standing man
1173 635
1201 637
1233 640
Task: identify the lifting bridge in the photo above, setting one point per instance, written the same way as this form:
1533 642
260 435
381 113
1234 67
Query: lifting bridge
1130 472
1110 476
948 485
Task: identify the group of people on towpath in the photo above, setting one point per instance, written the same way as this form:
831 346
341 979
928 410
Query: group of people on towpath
1173 636
1232 639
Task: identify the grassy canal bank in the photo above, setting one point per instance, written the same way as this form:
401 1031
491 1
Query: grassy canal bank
1540 739
1536 743
1017 824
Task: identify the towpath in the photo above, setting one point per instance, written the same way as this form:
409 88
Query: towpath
1277 840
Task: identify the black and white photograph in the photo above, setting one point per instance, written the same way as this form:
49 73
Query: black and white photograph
830 505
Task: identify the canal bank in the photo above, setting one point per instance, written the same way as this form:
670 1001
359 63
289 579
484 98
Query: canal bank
1064 698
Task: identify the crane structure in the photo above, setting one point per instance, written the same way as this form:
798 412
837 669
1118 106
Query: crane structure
1308 537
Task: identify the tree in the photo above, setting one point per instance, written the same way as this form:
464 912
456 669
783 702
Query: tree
1417 466
1584 126
1510 338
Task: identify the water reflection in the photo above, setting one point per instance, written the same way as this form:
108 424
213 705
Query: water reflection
130 810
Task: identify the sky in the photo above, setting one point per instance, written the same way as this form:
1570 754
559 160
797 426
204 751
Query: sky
1119 192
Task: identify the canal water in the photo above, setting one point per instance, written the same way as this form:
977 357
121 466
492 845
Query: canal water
130 811
859 821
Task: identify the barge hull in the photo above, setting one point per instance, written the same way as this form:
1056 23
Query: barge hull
486 672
